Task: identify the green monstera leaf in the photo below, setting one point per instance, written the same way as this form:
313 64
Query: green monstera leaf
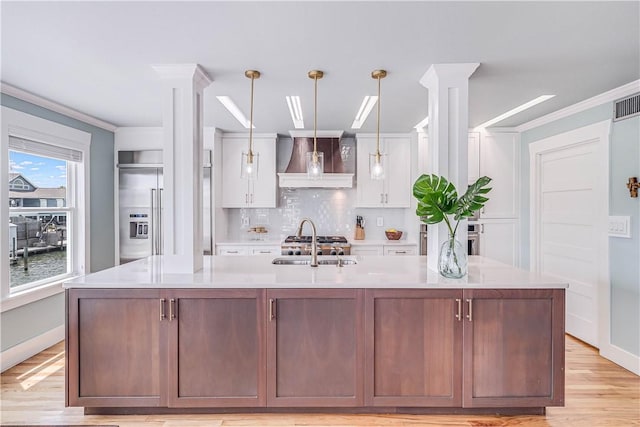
436 197
473 199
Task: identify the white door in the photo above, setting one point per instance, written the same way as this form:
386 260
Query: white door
569 209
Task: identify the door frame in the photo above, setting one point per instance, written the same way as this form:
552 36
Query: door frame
599 132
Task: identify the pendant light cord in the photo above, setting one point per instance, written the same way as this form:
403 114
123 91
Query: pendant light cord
251 123
378 125
315 118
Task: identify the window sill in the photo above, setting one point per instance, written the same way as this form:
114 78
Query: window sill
31 295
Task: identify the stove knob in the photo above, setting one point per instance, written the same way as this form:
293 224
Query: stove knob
319 252
340 252
289 252
333 252
297 252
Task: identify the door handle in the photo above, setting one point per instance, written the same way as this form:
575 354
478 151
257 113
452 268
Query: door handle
160 232
272 309
172 314
459 311
154 226
470 313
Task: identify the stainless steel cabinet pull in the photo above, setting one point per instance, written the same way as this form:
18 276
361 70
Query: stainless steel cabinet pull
251 197
246 197
162 314
386 198
381 198
232 252
154 225
401 252
470 313
272 309
459 312
482 228
172 314
160 231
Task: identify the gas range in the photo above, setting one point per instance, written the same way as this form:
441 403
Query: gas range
327 245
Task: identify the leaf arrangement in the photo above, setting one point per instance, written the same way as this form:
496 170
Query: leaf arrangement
438 198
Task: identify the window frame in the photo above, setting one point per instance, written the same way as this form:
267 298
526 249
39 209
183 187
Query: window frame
22 125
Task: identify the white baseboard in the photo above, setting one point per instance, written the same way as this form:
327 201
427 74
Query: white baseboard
621 357
21 352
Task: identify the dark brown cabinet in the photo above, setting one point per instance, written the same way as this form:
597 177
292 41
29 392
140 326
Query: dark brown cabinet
513 348
413 348
113 348
216 348
385 348
315 348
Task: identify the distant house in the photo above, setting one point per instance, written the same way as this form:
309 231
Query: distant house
23 193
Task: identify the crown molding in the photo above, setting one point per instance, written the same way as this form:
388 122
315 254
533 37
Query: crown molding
31 98
610 96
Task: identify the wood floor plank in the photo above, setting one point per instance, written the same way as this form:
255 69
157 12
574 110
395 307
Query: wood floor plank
598 394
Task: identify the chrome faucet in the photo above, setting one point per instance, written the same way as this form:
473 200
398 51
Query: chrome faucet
314 240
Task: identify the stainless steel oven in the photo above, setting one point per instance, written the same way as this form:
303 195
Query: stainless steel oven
473 242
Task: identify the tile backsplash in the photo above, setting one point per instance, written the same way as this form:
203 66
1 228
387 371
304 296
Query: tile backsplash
332 210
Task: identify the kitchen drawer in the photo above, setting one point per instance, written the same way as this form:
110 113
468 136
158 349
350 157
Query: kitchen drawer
367 250
398 250
232 250
265 250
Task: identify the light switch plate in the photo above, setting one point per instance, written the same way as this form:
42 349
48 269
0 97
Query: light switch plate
620 226
380 221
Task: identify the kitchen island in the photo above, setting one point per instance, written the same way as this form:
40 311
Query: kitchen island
383 335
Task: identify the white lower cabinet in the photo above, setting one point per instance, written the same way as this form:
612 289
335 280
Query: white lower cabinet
234 250
499 240
386 250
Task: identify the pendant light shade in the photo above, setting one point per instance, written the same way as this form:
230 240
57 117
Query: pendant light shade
315 160
250 159
377 160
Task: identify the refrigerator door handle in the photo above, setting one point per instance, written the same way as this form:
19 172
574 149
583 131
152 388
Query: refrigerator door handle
160 230
154 245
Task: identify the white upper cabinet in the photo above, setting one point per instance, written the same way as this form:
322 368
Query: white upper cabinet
394 191
474 157
238 192
499 159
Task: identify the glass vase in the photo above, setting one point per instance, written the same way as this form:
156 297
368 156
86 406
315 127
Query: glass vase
452 261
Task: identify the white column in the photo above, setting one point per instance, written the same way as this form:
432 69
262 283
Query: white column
448 86
183 85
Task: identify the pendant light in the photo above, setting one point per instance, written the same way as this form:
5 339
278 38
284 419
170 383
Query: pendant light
315 160
249 165
377 160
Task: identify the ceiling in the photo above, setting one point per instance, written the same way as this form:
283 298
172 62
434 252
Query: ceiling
96 57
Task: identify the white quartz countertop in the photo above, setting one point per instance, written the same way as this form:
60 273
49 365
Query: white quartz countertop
258 272
382 242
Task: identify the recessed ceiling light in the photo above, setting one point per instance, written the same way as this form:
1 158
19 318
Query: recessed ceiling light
233 109
365 108
514 111
423 123
295 109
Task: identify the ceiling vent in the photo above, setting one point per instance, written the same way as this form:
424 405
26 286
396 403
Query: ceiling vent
626 107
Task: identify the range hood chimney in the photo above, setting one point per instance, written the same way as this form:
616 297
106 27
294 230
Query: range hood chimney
334 175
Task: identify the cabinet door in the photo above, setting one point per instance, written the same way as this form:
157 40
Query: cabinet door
499 160
216 350
499 240
375 250
413 347
231 250
113 347
397 180
513 348
315 354
263 190
235 190
474 157
369 192
266 250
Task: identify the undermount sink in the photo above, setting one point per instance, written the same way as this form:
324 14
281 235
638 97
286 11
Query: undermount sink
307 261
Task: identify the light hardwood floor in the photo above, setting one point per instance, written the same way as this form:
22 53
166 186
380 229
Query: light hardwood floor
598 393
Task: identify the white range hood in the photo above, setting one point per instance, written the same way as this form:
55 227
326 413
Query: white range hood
334 176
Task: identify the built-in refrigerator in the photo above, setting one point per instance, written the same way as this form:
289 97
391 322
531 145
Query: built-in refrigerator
140 200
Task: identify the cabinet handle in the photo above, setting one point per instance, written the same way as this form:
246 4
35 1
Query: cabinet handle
386 198
272 309
251 198
162 313
172 303
381 198
265 252
246 197
470 314
459 312
401 252
482 228
232 252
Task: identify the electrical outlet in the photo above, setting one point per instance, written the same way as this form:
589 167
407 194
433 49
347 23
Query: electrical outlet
245 221
620 226
380 221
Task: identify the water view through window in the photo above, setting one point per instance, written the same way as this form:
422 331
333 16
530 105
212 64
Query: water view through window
38 218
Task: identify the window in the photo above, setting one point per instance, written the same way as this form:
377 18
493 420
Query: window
45 166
